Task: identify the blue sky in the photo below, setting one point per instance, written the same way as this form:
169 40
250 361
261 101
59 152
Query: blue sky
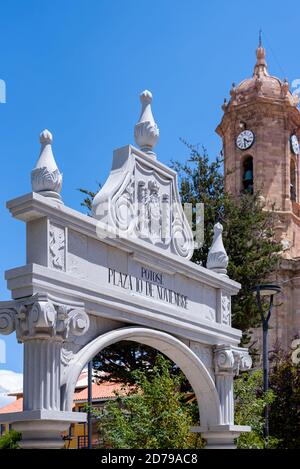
77 67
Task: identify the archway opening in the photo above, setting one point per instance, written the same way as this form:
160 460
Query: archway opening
192 367
142 393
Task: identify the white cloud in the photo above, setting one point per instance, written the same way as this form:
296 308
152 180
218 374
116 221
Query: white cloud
5 400
10 381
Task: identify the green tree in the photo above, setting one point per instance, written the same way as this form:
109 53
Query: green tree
10 440
248 230
121 359
285 410
250 402
152 416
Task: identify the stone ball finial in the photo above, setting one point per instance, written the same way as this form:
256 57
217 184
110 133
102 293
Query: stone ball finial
217 259
46 178
260 53
146 132
46 137
146 97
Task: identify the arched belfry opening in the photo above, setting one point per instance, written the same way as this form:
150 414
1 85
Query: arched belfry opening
293 180
248 175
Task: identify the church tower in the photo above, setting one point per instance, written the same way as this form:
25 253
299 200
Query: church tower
260 129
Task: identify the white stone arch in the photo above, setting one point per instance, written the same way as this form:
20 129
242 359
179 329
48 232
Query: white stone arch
193 368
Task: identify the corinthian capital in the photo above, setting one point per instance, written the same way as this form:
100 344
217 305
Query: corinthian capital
231 360
42 319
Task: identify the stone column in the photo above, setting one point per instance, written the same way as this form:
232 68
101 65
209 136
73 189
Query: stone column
43 327
229 361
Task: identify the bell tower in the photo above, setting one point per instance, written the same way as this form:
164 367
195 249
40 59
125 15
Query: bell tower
260 129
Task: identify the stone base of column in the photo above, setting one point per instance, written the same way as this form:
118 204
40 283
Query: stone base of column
42 429
220 436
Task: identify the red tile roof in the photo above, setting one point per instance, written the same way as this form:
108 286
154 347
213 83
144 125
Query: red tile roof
15 406
104 391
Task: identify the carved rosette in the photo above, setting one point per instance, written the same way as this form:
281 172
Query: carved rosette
7 321
78 322
44 320
230 360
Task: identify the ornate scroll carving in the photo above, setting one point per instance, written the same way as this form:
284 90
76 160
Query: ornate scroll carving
183 242
57 247
231 360
7 321
124 210
225 309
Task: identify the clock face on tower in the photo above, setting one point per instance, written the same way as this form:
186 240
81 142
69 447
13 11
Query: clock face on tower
245 139
295 145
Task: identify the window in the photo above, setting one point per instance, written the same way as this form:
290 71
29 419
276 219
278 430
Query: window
248 175
293 181
2 429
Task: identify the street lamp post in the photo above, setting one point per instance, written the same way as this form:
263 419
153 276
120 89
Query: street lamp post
90 401
263 291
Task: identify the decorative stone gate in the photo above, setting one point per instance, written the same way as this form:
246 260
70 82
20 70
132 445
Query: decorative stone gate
123 273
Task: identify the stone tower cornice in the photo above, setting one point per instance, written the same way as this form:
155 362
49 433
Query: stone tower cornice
263 106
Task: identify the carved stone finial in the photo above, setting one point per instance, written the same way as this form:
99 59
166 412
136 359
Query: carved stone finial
146 132
46 178
217 259
225 105
260 68
285 87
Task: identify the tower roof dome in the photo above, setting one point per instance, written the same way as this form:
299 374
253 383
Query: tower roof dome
262 84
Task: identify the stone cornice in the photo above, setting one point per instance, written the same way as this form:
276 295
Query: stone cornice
111 304
264 104
33 206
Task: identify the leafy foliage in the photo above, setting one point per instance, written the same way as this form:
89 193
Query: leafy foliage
285 410
250 402
89 196
10 440
119 361
153 416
